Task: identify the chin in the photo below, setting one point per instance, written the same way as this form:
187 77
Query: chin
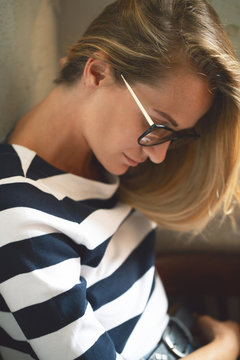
121 170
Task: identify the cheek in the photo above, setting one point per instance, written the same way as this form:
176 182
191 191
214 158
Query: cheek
135 126
120 124
125 130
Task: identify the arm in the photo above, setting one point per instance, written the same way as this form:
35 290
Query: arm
224 340
48 300
47 311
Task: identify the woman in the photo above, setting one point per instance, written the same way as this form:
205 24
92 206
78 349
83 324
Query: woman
150 93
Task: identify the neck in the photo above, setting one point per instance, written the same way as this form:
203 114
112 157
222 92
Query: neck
54 130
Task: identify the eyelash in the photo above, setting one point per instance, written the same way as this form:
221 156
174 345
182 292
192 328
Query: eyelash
162 122
158 121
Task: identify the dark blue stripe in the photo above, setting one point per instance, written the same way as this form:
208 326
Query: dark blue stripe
39 252
43 318
23 346
81 209
27 195
135 266
93 257
10 164
3 305
95 203
35 253
103 349
40 169
121 333
153 286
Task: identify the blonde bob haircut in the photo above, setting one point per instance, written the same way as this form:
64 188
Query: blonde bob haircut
144 40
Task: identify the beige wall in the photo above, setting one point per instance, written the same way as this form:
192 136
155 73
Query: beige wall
33 34
229 12
75 17
28 57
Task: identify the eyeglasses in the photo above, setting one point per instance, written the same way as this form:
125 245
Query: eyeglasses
159 133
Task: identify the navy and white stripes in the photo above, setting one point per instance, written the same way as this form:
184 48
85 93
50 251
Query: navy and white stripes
76 267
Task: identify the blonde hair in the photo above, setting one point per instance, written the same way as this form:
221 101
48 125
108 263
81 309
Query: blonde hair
140 39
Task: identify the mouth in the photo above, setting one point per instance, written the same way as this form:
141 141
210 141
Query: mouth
131 162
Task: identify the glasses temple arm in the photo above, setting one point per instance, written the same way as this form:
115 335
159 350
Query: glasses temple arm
145 114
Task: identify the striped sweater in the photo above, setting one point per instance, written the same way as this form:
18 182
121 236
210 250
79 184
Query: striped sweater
77 267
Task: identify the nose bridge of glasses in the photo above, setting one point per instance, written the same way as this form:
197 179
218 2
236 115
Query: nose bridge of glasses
145 114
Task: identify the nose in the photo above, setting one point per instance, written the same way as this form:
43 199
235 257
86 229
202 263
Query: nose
157 153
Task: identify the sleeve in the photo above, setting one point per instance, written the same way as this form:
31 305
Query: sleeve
42 286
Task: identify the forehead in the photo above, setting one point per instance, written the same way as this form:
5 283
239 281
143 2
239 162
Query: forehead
184 95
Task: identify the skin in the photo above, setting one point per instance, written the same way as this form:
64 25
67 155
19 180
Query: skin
67 120
223 340
98 119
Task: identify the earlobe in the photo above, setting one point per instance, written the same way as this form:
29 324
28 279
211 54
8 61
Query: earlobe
96 71
62 62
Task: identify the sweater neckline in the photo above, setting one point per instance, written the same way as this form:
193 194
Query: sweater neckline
96 188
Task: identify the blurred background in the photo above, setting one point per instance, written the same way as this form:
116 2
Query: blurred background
34 34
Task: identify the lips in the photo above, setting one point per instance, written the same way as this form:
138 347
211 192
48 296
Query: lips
132 162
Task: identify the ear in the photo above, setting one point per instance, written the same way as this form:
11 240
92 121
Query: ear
97 71
62 62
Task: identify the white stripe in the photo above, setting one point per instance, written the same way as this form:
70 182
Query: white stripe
150 327
119 357
10 325
11 354
67 185
71 341
28 223
26 157
102 224
129 235
40 285
116 312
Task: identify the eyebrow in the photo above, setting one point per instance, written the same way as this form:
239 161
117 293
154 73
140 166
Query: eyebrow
168 117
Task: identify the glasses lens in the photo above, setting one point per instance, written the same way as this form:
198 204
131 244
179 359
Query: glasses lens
155 136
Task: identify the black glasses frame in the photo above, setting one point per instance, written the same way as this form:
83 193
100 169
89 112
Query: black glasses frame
176 135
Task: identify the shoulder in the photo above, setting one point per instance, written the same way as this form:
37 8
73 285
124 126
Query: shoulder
18 176
36 198
10 162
